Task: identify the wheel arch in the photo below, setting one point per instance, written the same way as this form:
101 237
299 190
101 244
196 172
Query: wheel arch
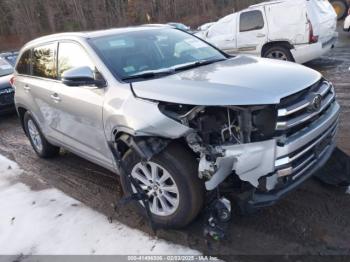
21 112
284 44
150 145
276 43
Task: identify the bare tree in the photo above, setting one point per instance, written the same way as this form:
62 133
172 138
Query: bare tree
22 20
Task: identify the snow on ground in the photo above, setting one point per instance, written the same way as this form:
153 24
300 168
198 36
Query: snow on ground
49 222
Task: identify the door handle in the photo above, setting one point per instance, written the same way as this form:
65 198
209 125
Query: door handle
55 98
260 35
26 88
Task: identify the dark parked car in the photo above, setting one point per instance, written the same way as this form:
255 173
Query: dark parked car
6 90
10 57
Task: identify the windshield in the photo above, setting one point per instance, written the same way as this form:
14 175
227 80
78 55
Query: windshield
5 68
155 50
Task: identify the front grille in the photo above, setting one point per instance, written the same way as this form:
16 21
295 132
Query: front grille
299 110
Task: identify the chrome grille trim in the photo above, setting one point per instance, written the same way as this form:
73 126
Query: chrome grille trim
291 158
326 90
305 169
293 109
303 164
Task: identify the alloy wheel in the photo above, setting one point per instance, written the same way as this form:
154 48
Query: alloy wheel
35 135
278 55
159 186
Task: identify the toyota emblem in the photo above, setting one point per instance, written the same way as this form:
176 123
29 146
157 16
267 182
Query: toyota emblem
316 103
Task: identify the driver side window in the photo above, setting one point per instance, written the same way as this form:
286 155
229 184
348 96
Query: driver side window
71 55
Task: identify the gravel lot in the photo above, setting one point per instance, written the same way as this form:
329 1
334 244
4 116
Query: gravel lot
312 220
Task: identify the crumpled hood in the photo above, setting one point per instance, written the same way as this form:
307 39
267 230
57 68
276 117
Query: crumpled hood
243 80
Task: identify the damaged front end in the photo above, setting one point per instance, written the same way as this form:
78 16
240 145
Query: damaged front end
271 148
230 140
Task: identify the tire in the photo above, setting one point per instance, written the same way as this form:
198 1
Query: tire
278 52
39 143
183 170
341 8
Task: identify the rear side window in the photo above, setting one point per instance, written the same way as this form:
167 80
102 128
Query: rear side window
252 20
23 66
71 55
44 61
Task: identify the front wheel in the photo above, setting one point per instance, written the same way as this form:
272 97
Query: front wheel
278 53
170 180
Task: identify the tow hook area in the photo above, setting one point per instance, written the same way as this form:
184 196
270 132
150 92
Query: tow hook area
218 218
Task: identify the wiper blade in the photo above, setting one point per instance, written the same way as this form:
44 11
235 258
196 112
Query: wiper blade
198 63
148 75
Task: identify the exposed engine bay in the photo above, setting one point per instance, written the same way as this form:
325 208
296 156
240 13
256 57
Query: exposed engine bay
224 137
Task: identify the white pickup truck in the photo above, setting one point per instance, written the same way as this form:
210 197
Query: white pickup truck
293 30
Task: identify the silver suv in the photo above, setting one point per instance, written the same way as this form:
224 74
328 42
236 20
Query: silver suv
175 117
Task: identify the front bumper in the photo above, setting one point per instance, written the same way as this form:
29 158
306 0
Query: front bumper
308 52
274 169
7 103
301 156
260 199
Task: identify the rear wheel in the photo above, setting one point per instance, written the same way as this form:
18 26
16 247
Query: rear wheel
341 8
39 143
170 180
278 53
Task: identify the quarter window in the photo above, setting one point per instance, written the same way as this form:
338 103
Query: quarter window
23 66
71 55
252 20
44 61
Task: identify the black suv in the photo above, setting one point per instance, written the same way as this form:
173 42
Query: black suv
6 90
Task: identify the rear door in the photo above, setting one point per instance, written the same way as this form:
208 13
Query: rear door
80 108
323 19
252 31
40 85
288 22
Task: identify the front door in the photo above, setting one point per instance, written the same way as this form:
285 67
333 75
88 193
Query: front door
81 108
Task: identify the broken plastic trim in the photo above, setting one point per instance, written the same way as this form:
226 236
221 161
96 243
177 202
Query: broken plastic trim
145 147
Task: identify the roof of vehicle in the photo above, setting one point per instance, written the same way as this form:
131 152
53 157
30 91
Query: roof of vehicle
8 53
271 2
95 34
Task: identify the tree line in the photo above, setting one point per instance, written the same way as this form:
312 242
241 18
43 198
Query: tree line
22 20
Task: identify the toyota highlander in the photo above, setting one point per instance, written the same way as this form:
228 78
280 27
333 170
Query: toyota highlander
175 117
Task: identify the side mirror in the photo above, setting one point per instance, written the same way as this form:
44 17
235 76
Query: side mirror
81 76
